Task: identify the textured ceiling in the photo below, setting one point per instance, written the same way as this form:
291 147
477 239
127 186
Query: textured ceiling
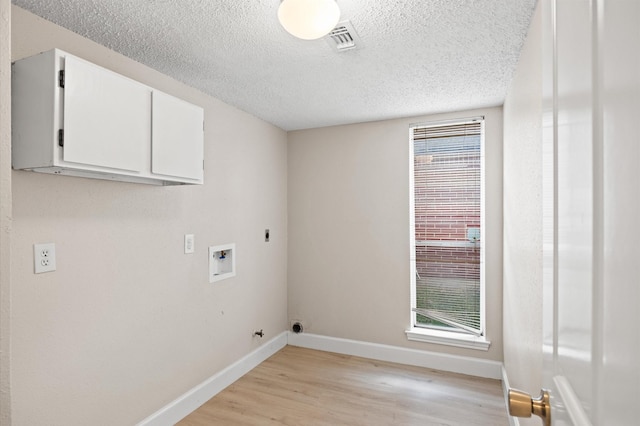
416 56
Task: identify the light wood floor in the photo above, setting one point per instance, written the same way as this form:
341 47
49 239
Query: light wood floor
301 387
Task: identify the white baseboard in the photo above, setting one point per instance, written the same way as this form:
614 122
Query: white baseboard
513 421
438 361
188 402
191 400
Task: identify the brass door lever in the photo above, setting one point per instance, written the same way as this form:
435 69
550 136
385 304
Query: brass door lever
521 404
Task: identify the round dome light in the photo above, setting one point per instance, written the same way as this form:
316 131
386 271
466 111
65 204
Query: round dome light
308 19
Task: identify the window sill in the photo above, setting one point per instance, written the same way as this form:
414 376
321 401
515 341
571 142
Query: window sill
448 338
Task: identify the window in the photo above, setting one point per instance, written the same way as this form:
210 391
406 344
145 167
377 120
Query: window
447 208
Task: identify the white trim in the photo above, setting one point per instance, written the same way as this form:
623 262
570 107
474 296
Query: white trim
446 243
513 421
462 120
413 271
438 361
481 343
194 398
483 227
449 338
572 403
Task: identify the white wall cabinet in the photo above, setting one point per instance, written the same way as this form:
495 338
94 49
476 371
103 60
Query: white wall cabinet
75 118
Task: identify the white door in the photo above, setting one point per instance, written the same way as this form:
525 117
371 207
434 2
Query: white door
107 118
592 211
178 138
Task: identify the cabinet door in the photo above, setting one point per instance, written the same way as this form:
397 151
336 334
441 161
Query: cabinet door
107 120
178 137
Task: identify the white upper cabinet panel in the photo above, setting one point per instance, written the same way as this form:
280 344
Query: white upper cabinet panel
178 137
106 118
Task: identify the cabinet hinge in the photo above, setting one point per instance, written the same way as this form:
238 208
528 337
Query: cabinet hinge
61 137
61 78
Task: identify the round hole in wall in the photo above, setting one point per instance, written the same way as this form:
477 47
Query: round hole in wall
297 328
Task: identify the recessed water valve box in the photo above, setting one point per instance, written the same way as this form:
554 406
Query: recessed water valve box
222 262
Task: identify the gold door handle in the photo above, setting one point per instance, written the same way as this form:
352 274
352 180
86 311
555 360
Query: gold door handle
521 404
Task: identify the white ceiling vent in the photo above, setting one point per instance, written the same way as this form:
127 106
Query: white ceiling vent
343 37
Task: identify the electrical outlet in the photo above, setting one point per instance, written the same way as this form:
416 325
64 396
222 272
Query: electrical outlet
44 258
473 234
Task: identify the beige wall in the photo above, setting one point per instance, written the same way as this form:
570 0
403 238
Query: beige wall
349 273
128 322
5 210
523 217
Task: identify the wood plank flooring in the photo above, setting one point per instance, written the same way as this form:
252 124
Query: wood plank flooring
300 387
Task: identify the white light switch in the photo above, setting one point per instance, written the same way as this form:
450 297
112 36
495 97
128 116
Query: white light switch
44 258
189 243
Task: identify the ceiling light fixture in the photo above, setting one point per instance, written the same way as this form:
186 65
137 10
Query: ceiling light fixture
308 19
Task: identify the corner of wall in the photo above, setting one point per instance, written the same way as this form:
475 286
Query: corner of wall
5 212
513 421
522 210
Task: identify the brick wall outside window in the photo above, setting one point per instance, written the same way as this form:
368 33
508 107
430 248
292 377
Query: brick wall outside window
447 183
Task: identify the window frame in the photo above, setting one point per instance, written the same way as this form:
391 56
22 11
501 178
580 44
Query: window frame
435 334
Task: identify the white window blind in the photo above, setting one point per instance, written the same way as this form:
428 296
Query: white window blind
447 207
